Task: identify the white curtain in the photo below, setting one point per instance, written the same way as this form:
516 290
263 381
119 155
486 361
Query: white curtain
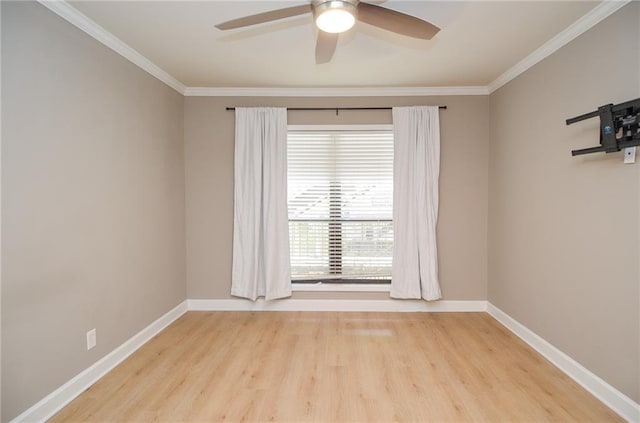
416 168
261 264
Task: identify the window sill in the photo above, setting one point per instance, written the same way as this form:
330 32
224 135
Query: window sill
343 287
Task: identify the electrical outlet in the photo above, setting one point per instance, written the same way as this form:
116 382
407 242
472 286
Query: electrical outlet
91 339
629 155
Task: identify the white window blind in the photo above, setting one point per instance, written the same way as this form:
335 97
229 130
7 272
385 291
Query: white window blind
340 198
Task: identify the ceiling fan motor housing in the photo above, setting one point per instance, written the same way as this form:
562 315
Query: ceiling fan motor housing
334 16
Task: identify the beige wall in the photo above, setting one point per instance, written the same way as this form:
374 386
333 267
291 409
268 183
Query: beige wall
462 226
92 202
97 204
564 231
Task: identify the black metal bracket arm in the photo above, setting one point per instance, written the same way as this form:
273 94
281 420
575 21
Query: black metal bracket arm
619 127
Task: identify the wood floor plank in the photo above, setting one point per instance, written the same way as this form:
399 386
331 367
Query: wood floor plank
330 367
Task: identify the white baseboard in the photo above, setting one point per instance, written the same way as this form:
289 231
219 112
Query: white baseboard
616 400
52 403
56 400
389 305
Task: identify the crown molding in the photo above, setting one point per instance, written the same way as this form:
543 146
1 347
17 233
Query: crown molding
332 92
579 27
81 21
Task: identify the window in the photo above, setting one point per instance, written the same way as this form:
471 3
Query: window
340 198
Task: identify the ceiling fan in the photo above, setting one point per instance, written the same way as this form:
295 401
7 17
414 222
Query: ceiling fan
335 16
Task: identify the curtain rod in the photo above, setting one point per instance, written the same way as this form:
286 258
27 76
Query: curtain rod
337 109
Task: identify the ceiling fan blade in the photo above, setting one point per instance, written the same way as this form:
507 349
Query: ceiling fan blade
397 22
273 15
325 46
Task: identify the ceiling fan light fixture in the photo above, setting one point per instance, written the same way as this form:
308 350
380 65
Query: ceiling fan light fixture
335 16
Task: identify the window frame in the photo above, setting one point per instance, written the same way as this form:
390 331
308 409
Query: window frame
341 287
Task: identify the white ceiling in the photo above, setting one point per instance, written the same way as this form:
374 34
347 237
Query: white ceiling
478 41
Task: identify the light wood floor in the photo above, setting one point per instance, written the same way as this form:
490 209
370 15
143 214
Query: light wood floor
330 367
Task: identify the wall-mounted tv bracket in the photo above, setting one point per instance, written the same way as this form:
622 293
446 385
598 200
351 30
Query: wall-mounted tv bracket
619 127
